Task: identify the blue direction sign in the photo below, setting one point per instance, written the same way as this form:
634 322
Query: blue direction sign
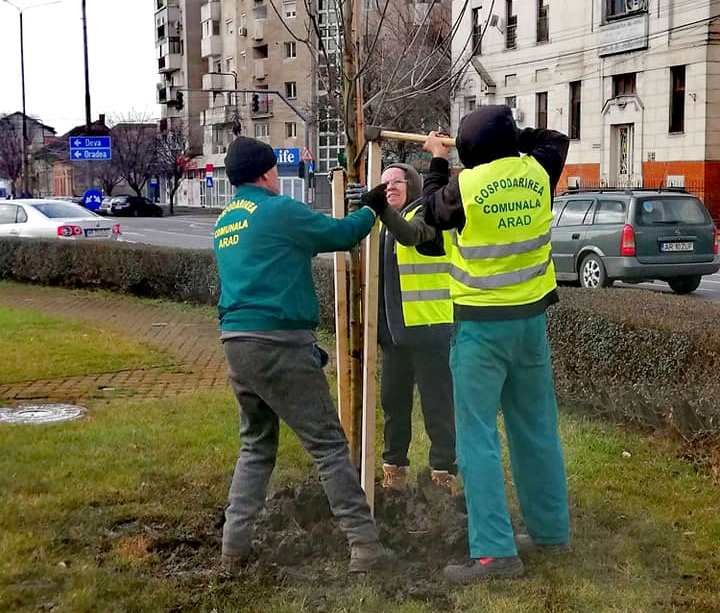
90 148
92 199
209 181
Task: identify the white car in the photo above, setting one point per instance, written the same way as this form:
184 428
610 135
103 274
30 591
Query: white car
53 219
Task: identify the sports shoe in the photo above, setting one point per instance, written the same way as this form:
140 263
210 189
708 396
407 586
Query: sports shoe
445 480
525 544
368 556
394 477
482 569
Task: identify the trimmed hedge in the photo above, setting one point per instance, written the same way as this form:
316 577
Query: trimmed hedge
639 356
186 275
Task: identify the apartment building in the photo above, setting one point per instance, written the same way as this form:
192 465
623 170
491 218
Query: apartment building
634 83
180 66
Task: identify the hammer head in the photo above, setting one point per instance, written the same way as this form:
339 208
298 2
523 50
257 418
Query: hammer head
372 133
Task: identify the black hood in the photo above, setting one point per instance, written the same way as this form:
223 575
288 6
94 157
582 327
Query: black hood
487 134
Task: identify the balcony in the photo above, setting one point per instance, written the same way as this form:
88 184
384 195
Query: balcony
210 11
170 63
166 94
161 4
259 30
212 82
260 71
218 115
211 46
167 22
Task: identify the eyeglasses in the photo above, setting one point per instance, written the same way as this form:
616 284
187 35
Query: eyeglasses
396 182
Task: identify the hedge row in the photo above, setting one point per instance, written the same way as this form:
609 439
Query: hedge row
639 356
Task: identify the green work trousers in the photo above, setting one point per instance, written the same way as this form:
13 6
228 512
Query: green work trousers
506 365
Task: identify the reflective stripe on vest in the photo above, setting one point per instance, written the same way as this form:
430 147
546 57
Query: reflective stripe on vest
502 257
424 284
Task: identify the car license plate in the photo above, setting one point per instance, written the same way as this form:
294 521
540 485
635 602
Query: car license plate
687 246
97 232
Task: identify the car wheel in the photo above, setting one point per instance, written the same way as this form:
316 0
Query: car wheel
592 272
684 285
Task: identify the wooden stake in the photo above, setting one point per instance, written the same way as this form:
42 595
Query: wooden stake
370 344
342 332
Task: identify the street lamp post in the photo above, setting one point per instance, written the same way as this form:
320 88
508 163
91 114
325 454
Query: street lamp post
26 187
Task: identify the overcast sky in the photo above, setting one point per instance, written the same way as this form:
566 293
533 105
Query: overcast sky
123 68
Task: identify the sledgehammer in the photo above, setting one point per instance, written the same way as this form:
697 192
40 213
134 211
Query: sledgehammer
374 133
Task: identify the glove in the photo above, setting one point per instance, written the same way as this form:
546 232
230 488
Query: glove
353 195
375 199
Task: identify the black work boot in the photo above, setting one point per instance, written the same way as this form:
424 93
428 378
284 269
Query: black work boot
525 544
369 556
482 569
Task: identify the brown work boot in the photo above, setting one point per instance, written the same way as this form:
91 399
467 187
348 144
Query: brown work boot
369 556
445 480
526 544
233 561
395 477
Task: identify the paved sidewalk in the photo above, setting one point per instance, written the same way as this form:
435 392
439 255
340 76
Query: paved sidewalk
190 339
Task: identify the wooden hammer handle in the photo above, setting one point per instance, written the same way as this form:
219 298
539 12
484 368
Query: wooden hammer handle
405 136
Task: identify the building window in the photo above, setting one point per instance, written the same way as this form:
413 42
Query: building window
290 129
228 64
262 129
229 27
290 9
511 101
477 29
290 89
575 99
624 8
677 99
470 104
511 27
543 25
541 110
290 50
510 80
624 84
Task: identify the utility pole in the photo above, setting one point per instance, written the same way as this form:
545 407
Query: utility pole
26 178
88 119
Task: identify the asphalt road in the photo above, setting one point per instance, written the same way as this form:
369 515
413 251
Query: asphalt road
195 232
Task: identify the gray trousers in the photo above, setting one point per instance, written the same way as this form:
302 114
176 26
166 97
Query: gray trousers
274 381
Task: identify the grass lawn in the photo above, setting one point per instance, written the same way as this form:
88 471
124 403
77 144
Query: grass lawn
120 512
35 346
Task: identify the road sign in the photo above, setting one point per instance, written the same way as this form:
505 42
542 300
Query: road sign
305 155
90 148
92 199
288 158
209 181
209 170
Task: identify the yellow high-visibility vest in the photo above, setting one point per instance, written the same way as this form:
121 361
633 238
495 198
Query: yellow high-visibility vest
502 257
424 283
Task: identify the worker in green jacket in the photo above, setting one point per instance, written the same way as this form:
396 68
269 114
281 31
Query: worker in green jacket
264 244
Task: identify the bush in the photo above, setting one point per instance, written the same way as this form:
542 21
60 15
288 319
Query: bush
639 356
185 275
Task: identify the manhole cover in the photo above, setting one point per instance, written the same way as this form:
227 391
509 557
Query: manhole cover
40 413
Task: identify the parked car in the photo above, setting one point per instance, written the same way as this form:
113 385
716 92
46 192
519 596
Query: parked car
633 235
136 206
105 206
53 219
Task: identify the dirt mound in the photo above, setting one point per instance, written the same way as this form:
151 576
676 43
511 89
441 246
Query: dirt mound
297 542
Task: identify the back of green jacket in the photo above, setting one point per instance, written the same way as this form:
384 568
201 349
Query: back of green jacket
264 244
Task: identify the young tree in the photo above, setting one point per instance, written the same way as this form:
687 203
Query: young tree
173 158
135 150
108 174
11 152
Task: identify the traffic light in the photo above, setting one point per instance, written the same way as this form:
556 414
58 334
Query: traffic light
255 103
179 103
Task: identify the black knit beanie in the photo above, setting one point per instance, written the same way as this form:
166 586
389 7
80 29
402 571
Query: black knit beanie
247 159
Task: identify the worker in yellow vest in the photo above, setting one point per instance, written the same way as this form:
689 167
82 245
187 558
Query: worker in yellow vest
502 282
414 328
